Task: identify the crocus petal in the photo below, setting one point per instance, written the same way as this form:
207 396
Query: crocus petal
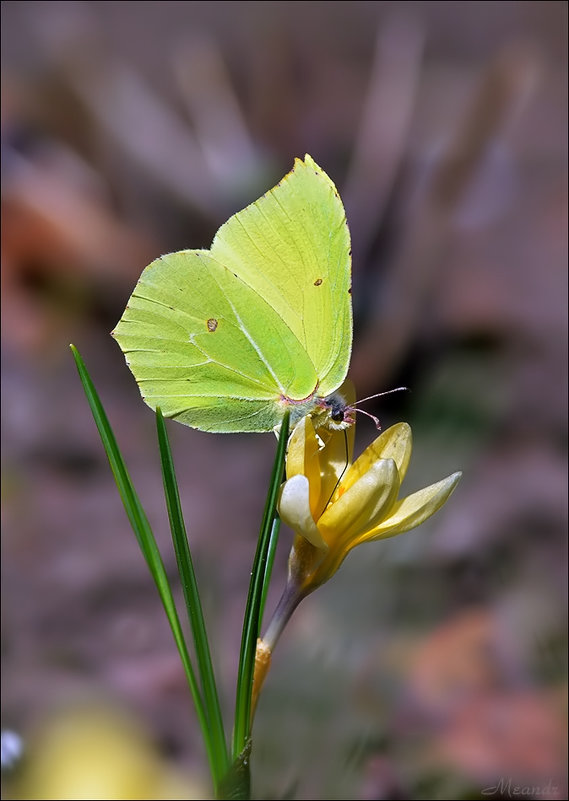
366 501
394 443
302 450
337 452
334 461
294 509
303 459
414 509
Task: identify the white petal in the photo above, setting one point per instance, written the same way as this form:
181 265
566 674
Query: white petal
294 509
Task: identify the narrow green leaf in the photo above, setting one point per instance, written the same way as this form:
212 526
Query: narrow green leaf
252 618
236 784
192 598
148 546
270 561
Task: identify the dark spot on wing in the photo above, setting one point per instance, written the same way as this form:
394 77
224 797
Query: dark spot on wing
318 282
212 324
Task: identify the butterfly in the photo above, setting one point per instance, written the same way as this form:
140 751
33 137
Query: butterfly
227 339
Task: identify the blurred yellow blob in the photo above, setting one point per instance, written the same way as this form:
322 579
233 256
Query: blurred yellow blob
94 752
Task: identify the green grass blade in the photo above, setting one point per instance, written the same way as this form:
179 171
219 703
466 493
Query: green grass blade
192 598
145 537
270 561
252 622
236 784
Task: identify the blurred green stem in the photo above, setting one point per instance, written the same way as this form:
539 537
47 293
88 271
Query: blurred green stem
260 575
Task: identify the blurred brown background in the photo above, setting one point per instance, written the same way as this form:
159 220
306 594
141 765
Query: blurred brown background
433 665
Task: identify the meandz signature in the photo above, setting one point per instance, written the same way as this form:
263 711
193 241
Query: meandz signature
509 788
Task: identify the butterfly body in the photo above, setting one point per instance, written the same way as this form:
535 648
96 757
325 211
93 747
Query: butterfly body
227 339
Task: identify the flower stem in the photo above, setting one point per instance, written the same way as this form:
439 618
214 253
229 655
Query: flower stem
290 599
251 622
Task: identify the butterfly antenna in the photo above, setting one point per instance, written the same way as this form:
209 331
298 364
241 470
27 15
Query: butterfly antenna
379 394
370 397
368 414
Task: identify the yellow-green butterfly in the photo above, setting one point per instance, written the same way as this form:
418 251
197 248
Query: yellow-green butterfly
227 339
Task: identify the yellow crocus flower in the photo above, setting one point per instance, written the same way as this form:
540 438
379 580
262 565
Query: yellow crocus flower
333 505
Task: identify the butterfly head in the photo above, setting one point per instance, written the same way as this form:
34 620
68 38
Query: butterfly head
336 413
333 413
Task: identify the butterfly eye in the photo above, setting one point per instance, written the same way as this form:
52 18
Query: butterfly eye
337 415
